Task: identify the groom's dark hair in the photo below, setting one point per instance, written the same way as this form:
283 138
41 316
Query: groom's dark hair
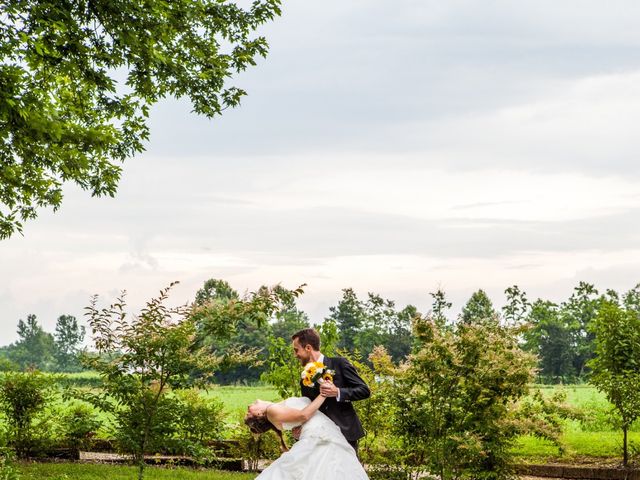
308 336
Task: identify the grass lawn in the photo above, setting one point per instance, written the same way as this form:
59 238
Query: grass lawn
83 471
577 395
594 438
577 445
236 399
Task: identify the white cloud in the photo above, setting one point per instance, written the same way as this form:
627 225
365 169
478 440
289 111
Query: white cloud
584 126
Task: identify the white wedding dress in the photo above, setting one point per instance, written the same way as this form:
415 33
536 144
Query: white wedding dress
321 453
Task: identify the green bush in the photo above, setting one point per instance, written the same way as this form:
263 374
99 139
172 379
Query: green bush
387 473
79 423
7 470
380 446
7 365
200 419
24 397
196 422
455 403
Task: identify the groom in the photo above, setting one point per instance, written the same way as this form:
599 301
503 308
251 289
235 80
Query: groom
347 386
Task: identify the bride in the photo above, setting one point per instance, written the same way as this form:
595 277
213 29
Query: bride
321 453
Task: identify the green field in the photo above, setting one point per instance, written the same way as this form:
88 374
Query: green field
594 437
236 399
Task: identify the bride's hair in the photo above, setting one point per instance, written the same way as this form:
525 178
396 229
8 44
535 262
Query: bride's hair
260 425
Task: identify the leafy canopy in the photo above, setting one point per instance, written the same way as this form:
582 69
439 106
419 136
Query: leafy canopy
77 80
616 365
455 401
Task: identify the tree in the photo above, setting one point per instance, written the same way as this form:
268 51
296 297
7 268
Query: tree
289 319
219 292
550 338
439 306
349 316
378 317
249 333
64 114
455 403
478 308
34 348
143 359
616 370
578 312
363 325
400 338
379 447
282 368
215 290
67 339
329 337
631 299
140 360
517 306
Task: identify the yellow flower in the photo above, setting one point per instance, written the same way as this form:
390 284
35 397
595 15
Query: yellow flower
315 371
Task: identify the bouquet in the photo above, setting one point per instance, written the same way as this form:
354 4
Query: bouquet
316 372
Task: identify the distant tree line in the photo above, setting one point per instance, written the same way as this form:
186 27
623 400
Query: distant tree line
40 350
561 335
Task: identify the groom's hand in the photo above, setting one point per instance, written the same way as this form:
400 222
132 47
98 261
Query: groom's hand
295 432
328 389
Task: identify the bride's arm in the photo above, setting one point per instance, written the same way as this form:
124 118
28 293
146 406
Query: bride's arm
278 412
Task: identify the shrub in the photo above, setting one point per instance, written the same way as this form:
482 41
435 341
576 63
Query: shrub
201 419
80 424
142 359
380 447
7 470
455 402
7 365
24 397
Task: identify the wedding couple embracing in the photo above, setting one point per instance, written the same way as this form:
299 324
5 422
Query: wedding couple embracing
323 419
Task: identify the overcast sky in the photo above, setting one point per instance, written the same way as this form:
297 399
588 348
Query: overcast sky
389 146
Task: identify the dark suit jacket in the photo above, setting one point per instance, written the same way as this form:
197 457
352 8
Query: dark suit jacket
352 388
